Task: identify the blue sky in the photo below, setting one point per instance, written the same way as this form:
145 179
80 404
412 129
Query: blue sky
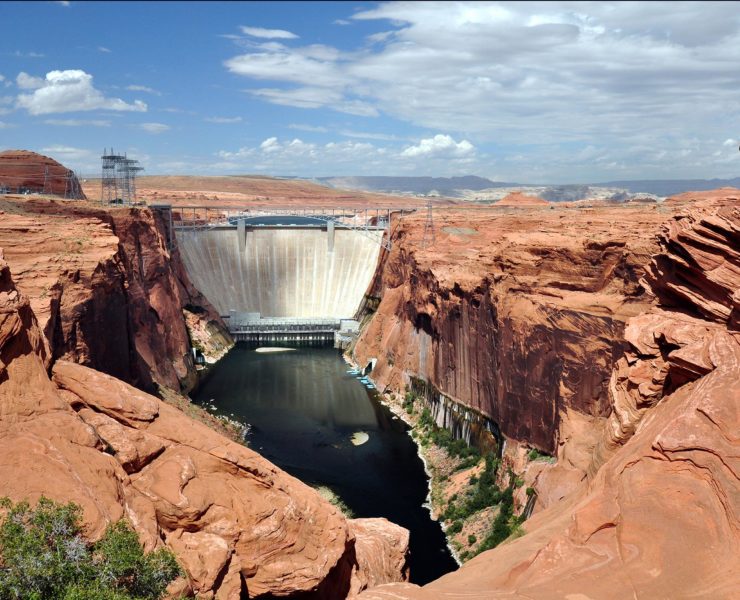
555 92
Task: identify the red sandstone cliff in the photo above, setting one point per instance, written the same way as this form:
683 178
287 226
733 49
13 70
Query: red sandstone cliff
235 522
658 515
519 317
24 170
107 291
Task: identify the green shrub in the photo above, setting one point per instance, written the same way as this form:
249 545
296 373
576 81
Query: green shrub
44 556
455 528
472 539
534 454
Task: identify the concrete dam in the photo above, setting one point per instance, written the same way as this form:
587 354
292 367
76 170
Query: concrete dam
281 277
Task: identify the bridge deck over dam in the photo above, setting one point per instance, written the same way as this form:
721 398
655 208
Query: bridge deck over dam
316 270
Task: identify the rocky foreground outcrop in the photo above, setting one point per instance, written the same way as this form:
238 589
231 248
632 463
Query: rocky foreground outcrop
658 515
237 524
108 291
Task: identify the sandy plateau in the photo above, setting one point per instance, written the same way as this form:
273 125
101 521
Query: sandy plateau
254 191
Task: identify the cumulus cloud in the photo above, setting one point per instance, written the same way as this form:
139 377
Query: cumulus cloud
259 32
68 91
530 75
300 157
154 128
26 82
440 146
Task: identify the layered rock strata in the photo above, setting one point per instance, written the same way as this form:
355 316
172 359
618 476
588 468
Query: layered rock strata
108 292
23 170
659 515
237 524
517 317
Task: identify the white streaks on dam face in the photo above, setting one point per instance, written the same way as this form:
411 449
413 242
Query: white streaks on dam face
277 272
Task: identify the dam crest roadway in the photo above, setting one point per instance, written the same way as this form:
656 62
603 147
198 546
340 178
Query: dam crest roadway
281 274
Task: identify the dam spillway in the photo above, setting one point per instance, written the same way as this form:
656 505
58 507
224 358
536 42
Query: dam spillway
293 272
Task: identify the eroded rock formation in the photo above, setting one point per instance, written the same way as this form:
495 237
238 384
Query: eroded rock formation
235 522
518 317
23 170
108 292
658 517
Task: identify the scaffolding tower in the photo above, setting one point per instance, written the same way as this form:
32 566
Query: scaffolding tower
127 170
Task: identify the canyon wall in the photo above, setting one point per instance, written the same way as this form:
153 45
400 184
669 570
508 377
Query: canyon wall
282 272
236 523
517 315
658 514
108 292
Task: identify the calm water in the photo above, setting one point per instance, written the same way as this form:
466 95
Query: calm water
304 409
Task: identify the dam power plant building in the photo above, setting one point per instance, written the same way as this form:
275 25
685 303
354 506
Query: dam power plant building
299 275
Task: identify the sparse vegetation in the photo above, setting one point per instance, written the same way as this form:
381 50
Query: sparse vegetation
535 454
43 555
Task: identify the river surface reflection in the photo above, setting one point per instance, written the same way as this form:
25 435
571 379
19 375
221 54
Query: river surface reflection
305 410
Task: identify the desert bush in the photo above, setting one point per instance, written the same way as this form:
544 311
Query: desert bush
44 556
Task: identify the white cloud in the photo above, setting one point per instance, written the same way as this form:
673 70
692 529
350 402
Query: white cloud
341 22
546 79
440 146
259 32
67 153
154 128
223 119
4 125
730 142
143 88
78 122
20 54
104 49
311 128
63 2
369 135
26 82
68 91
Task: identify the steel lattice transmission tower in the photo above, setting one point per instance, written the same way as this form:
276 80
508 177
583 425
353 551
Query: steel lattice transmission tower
47 183
109 178
127 169
429 237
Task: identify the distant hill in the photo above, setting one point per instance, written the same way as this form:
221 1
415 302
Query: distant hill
444 186
670 187
454 187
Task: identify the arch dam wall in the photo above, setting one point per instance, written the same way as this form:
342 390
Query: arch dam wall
281 272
